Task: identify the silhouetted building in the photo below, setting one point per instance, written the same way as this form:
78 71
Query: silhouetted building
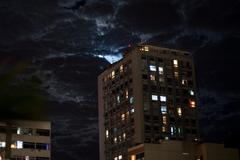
147 97
28 140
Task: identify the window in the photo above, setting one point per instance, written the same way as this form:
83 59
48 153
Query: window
152 77
107 133
191 92
163 98
113 74
164 118
42 146
145 48
2 144
160 70
192 103
154 97
133 157
172 130
19 144
123 117
163 129
132 110
121 68
124 135
179 131
115 158
118 99
164 109
175 63
42 132
115 140
126 94
179 111
176 74
131 100
161 79
120 157
152 68
184 82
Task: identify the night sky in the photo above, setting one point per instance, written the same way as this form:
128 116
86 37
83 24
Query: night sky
66 44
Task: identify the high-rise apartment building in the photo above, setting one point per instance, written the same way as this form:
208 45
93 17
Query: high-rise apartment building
147 97
27 140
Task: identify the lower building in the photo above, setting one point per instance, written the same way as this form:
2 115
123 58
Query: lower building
25 140
182 150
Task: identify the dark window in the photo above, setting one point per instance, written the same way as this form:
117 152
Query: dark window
42 158
160 60
42 146
144 57
144 76
43 132
140 156
29 145
2 129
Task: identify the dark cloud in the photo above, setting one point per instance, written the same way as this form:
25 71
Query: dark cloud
149 16
98 9
214 14
64 45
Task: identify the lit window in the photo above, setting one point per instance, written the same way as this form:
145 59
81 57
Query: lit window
176 74
179 131
126 93
191 92
119 138
120 157
107 133
127 114
161 79
163 98
27 158
19 144
124 135
115 158
192 103
131 100
160 70
2 144
152 77
152 68
163 129
175 63
121 68
123 117
164 109
179 111
164 119
184 82
172 130
154 97
118 99
115 140
146 48
132 110
13 146
18 130
113 74
133 157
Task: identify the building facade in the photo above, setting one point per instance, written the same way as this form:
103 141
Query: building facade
147 97
30 140
182 150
